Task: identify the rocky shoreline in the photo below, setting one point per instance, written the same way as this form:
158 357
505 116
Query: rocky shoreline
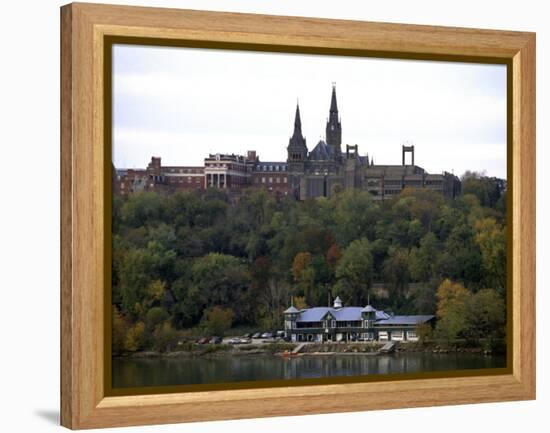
368 349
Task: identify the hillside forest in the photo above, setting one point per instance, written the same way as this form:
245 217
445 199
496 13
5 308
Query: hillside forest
193 263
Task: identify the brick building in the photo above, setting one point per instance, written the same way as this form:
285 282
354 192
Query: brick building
271 175
305 174
227 171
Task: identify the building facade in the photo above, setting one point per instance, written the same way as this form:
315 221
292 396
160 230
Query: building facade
338 323
158 178
227 171
324 169
305 174
271 175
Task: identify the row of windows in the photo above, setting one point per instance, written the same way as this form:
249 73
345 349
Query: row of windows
187 170
271 180
240 167
392 182
332 324
271 168
397 335
382 336
190 179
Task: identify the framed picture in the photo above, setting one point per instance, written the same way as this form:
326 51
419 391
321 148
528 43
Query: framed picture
312 215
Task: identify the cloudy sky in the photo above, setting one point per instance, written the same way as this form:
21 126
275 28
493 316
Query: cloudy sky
181 104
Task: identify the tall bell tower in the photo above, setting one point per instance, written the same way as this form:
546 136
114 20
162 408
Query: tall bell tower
334 128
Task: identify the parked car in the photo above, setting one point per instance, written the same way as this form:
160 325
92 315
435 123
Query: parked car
203 340
280 334
267 335
257 335
287 338
234 340
244 340
216 340
248 335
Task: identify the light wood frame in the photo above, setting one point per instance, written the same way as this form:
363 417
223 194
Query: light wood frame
84 26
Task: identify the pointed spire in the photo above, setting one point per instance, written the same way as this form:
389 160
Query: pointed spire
334 128
297 142
297 120
292 309
333 104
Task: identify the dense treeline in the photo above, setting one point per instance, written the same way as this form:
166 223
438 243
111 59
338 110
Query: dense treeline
200 259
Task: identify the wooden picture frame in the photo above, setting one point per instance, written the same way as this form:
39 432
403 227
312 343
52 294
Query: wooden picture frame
85 213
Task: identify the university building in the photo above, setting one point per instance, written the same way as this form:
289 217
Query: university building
305 174
338 323
318 172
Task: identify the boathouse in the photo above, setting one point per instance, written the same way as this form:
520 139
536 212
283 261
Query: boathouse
339 323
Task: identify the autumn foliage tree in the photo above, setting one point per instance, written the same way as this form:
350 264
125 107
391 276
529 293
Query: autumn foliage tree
452 301
177 256
217 320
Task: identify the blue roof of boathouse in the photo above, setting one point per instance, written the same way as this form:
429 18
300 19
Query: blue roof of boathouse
316 314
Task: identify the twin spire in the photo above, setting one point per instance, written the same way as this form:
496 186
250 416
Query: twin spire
333 112
297 144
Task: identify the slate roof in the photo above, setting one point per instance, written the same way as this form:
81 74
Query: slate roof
320 152
404 320
316 314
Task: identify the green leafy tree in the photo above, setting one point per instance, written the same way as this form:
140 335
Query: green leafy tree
423 259
355 216
396 271
220 280
119 330
218 320
141 209
354 272
488 190
491 239
155 316
165 337
485 315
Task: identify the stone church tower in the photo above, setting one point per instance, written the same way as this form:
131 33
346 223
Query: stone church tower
317 173
297 153
334 128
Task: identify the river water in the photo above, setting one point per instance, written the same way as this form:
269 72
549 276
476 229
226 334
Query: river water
202 370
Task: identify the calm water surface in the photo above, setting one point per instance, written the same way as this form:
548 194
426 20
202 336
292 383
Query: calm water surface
200 370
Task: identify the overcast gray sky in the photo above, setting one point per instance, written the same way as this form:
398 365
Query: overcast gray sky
181 104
